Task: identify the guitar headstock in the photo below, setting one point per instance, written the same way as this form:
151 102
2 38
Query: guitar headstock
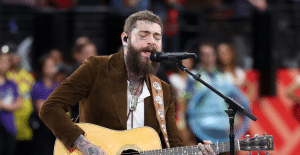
263 143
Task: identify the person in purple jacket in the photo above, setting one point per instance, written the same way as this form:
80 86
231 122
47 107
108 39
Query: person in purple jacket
9 102
43 139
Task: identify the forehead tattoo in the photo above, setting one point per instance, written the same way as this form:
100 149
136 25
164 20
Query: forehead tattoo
143 25
144 22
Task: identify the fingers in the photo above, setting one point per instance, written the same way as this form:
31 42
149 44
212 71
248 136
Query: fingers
210 150
206 149
207 142
203 149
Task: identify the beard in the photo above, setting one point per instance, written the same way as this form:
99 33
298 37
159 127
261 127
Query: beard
135 64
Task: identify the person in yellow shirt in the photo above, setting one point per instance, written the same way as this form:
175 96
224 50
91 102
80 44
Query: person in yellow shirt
24 80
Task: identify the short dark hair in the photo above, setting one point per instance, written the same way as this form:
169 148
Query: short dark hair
130 22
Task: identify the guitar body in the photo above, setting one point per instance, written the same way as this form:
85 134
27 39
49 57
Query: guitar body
114 142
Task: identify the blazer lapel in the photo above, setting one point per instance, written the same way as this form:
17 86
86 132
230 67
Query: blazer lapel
117 75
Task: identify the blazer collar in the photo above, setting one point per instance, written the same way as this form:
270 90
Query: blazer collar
117 77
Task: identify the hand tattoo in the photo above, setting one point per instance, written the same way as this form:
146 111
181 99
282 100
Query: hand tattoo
86 147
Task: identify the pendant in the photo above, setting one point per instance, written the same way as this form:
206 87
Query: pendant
133 102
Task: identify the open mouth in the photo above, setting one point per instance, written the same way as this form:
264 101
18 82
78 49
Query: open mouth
147 53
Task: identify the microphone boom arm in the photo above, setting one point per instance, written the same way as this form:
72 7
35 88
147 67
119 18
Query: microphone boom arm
233 105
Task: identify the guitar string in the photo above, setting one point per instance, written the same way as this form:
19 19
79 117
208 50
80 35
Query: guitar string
188 149
222 146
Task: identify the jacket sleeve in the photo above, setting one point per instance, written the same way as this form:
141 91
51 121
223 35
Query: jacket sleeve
66 96
172 130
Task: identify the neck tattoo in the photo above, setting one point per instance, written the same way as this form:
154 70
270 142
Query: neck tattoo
135 90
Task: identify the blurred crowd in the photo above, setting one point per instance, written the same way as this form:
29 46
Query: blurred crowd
199 112
23 94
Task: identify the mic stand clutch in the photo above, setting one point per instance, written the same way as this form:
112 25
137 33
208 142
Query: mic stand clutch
233 105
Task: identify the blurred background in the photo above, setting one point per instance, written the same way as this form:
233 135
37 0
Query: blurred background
48 39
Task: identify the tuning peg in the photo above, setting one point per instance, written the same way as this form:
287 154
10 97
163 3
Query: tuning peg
265 134
247 136
256 135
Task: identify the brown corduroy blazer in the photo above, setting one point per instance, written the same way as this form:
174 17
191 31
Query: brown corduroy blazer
100 87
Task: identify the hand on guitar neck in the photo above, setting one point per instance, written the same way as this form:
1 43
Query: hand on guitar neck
87 148
206 149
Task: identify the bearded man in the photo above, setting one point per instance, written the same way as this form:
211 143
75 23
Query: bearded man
115 91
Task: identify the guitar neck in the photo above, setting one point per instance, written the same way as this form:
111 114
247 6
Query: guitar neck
217 147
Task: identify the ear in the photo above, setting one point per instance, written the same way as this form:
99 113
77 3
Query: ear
124 38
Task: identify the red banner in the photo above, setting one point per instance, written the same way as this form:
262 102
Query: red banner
275 114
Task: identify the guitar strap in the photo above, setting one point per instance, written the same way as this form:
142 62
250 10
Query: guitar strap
157 94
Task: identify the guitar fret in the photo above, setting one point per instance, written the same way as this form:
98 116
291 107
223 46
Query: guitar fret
189 150
223 146
195 149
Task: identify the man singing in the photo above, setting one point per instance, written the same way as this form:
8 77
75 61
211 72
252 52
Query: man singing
106 87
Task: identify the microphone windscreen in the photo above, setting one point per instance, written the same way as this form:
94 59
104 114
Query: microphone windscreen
154 56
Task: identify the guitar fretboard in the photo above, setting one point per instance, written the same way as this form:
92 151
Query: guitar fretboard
186 150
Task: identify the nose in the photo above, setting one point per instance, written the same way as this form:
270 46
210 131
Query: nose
151 41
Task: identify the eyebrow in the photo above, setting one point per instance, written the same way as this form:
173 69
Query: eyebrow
145 31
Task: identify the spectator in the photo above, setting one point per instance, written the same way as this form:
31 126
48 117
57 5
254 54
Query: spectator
178 81
82 40
9 102
24 81
205 109
228 64
58 57
82 49
61 72
43 139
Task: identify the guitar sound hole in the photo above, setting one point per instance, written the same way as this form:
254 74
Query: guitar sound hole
129 152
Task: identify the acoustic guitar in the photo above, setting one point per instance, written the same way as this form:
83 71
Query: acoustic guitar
146 141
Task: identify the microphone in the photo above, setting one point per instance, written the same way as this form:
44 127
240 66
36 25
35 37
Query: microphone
160 56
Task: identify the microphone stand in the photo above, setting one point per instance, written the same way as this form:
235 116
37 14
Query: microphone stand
233 105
